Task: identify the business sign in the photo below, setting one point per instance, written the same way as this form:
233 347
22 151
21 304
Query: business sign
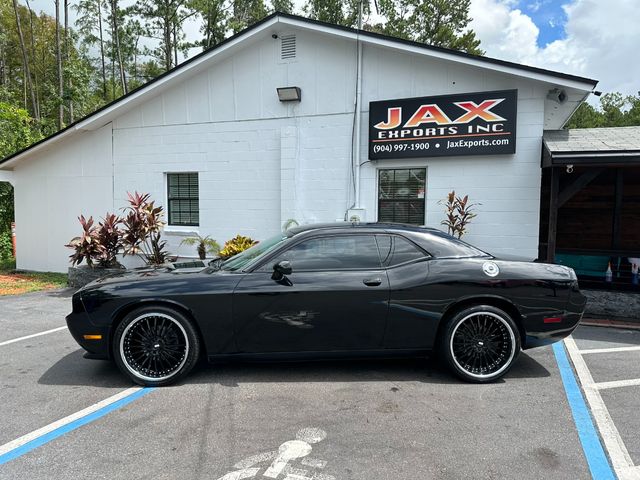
482 123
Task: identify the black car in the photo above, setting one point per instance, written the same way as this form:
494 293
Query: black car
326 291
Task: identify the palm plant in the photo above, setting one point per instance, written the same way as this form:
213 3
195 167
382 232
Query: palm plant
204 245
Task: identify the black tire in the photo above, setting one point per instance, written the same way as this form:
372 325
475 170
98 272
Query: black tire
480 343
155 346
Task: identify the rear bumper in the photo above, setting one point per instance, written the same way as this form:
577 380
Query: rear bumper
79 326
541 333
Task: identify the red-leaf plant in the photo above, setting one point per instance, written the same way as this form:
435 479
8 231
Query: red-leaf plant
109 238
86 246
142 229
459 213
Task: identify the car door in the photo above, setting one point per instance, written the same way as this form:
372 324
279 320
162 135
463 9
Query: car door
335 298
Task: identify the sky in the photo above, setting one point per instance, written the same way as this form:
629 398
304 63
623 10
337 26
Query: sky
591 38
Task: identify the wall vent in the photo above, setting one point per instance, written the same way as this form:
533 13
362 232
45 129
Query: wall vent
287 47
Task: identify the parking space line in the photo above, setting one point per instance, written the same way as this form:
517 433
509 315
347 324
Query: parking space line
618 453
27 337
596 459
617 384
35 439
610 350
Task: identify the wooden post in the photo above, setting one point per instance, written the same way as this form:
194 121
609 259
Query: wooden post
553 215
617 210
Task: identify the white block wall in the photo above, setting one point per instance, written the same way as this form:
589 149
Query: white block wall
261 162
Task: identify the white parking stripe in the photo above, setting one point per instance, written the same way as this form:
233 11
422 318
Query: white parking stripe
617 384
18 442
618 453
610 350
53 330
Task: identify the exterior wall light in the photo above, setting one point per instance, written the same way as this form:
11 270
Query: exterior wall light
289 94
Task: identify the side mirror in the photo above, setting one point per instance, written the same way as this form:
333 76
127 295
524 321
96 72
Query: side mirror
281 269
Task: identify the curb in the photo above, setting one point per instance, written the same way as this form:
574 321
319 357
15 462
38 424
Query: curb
597 322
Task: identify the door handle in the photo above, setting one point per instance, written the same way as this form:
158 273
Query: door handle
372 282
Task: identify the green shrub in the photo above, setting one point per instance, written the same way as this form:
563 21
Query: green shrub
236 245
6 247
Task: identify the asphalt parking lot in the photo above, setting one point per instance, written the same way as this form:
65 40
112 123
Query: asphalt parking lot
398 419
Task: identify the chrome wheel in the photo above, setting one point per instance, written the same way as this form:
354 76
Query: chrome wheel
483 345
154 347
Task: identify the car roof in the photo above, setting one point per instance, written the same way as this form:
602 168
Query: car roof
387 226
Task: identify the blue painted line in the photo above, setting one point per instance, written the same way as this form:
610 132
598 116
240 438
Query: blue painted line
58 432
596 458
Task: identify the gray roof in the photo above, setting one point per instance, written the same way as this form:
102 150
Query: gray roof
599 140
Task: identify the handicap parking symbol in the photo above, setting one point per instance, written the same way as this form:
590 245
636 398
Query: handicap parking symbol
290 462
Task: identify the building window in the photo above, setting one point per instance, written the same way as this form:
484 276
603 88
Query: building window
183 196
401 195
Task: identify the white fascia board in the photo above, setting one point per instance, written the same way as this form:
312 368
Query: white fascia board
488 65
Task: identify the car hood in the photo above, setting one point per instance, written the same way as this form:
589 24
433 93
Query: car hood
143 274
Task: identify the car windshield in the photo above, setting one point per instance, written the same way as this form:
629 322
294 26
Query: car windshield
239 261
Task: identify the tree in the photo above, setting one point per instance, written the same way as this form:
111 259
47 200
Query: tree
246 13
338 12
163 20
442 23
16 132
283 6
215 18
89 24
60 74
27 73
615 110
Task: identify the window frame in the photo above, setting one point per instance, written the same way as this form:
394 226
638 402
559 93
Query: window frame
403 167
426 255
170 198
260 266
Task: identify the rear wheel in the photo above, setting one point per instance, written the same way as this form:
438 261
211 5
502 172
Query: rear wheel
480 343
155 346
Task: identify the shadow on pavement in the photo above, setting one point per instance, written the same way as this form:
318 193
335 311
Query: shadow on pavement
73 369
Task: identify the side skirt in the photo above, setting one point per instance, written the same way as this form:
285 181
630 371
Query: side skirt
319 356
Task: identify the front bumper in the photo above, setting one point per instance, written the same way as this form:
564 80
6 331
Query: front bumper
80 325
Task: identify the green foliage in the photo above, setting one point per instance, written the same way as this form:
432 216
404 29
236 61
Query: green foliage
339 12
204 245
443 23
283 6
615 110
236 245
246 13
17 129
215 21
6 246
459 212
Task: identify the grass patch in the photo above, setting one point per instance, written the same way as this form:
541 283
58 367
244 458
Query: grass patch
15 282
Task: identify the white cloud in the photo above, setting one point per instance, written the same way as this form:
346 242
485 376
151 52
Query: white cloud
601 40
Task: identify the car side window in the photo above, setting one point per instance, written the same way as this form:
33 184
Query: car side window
395 250
344 252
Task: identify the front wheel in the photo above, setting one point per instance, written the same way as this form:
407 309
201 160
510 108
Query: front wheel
155 346
480 343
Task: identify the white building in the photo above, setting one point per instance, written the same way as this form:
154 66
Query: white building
259 161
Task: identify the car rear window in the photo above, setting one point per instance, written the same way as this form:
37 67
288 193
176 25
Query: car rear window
395 250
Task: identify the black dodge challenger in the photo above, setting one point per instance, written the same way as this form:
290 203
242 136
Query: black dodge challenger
330 290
